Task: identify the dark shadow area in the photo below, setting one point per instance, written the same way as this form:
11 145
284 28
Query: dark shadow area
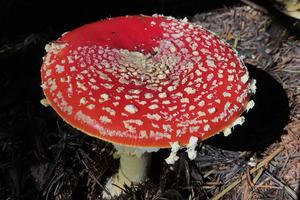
264 123
19 17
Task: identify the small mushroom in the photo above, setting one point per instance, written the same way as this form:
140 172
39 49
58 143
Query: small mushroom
145 83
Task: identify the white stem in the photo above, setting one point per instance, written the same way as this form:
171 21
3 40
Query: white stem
133 170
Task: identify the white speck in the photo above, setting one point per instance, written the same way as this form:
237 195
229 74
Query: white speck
230 77
227 131
194 129
153 106
195 53
53 85
173 155
206 127
188 39
209 96
172 158
148 95
238 121
226 94
190 90
48 72
184 80
167 127
201 103
155 125
198 72
211 110
84 72
120 89
95 87
70 60
192 153
109 110
166 102
134 91
184 20
91 106
143 134
107 85
173 49
178 94
232 64
177 35
252 162
60 68
124 114
73 69
172 108
185 100
192 107
162 95
171 88
153 116
105 119
245 78
201 114
44 102
252 86
210 63
59 95
250 105
202 68
136 121
227 104
104 96
131 108
161 76
128 124
128 97
210 76
55 47
81 86
83 100
141 102
239 87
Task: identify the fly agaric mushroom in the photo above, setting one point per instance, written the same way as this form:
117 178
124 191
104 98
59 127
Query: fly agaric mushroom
145 83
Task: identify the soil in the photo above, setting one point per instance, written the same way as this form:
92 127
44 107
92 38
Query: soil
42 157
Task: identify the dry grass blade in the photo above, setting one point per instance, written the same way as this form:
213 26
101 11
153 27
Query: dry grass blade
259 166
289 190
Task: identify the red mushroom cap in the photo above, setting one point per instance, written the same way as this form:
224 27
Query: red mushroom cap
145 81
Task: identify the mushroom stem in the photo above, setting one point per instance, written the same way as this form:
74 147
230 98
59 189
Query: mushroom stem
133 170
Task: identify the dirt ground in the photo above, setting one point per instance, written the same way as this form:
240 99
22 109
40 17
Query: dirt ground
42 157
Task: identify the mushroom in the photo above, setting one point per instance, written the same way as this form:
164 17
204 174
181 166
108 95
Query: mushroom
145 83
